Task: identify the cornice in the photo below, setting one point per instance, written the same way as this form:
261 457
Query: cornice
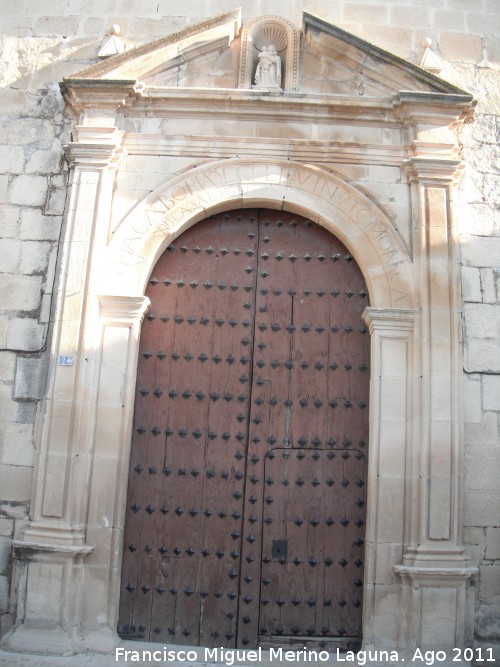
133 98
123 310
444 170
94 147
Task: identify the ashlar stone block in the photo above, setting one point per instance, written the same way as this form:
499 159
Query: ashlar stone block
34 226
7 366
25 335
5 545
20 292
16 445
488 622
44 161
482 320
4 593
489 582
9 255
491 392
30 373
472 399
15 482
6 527
9 216
492 543
34 256
471 284
11 160
28 190
482 356
488 286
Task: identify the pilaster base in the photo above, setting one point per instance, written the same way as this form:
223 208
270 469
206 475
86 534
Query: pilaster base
48 579
435 606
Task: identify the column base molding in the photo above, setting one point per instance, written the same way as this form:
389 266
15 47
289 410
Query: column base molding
436 607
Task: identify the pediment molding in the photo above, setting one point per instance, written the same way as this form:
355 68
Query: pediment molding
376 77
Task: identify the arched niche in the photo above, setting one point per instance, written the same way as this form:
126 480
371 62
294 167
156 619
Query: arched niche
261 33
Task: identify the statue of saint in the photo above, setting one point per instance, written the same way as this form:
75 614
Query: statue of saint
268 73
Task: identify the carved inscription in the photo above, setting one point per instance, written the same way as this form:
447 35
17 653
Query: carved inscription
201 190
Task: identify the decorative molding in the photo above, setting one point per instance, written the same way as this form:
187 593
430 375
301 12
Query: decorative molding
444 170
378 319
94 147
23 550
430 575
123 310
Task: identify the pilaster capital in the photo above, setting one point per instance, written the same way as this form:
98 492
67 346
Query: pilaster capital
123 310
433 169
95 147
389 319
436 576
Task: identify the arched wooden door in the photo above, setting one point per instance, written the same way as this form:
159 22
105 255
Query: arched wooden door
246 500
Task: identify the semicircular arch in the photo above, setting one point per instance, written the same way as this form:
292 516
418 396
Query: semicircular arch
321 196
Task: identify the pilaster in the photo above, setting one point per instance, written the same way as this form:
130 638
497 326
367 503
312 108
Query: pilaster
50 556
434 573
390 481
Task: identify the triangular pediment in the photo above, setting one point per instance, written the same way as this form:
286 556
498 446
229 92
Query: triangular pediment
148 59
218 55
351 65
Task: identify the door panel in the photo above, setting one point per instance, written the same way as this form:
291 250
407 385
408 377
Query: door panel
250 417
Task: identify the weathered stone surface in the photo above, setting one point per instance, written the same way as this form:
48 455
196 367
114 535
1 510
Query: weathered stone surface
488 286
34 226
7 366
22 131
30 374
492 543
11 159
488 622
482 321
472 399
481 252
45 161
25 334
20 292
482 356
34 257
482 469
4 593
4 554
9 255
9 216
16 445
491 392
14 511
6 527
28 190
489 587
471 284
484 433
15 482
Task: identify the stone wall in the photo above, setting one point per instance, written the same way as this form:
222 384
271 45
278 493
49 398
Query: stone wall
43 41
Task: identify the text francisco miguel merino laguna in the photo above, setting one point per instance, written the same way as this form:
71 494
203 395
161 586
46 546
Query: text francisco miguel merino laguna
235 656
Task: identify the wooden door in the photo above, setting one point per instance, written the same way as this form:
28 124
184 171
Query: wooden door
245 508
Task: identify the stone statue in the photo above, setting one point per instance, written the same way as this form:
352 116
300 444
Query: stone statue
268 73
